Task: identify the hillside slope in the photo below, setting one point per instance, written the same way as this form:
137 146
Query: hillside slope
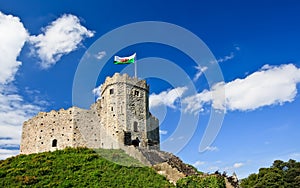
78 167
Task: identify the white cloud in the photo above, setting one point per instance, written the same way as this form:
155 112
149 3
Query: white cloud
100 55
5 153
200 71
12 38
13 112
163 132
238 165
295 156
197 164
211 148
195 103
97 91
61 37
224 59
272 85
13 109
166 98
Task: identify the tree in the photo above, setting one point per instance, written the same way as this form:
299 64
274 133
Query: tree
280 174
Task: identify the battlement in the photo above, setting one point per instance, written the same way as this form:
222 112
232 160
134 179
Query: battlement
117 78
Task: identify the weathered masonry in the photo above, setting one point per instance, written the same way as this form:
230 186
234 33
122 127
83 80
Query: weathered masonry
118 119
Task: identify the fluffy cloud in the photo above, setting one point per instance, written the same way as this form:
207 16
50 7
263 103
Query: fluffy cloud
97 91
13 109
12 36
100 55
211 148
238 165
61 37
271 85
5 153
166 98
13 112
197 164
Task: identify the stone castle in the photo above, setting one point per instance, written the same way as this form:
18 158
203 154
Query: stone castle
119 118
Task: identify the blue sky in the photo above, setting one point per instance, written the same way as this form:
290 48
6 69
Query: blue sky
255 45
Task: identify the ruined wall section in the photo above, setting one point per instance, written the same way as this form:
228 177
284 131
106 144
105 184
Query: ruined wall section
48 131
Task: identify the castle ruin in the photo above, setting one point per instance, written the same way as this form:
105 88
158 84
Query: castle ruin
119 118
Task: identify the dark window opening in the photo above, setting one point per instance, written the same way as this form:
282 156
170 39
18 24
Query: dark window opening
111 91
54 143
112 108
136 93
135 126
136 142
127 138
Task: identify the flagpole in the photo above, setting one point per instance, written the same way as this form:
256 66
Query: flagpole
135 67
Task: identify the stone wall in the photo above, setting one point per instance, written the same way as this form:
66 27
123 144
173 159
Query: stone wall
48 131
122 109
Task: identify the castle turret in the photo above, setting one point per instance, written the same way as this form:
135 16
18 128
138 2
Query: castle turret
125 111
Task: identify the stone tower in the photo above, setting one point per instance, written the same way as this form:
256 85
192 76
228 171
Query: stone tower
124 110
118 119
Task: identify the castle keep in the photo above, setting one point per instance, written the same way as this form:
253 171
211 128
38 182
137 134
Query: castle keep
119 118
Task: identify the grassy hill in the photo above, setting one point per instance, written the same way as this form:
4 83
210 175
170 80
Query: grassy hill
78 167
81 167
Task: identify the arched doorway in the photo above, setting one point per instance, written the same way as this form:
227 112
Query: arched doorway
54 143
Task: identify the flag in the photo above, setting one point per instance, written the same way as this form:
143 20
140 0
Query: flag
125 60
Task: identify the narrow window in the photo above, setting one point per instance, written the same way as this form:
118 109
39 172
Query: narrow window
112 108
135 126
54 143
111 91
136 93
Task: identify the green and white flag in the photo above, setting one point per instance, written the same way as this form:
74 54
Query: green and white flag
125 60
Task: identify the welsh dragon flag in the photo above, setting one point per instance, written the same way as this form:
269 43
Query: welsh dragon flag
125 60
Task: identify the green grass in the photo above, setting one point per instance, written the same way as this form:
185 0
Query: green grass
118 156
78 167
